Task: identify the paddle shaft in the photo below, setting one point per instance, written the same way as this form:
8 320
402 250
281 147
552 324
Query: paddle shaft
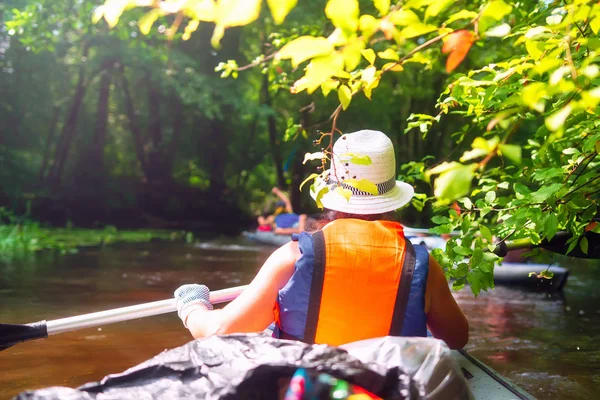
132 312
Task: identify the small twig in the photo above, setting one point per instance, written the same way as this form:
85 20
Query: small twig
257 62
580 186
589 159
570 60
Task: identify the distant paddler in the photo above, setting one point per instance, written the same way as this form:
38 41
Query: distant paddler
283 220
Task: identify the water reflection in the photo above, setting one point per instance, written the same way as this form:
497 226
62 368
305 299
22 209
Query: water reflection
545 343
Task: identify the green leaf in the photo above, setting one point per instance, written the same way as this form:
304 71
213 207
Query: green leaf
343 14
417 29
352 54
584 245
535 48
477 257
437 7
454 183
237 12
113 10
190 28
280 9
369 54
462 14
463 251
550 225
473 154
345 193
458 284
310 177
490 197
383 6
498 30
345 96
545 192
440 219
322 192
364 184
486 233
147 20
403 17
319 70
533 96
388 54
328 86
304 48
356 159
496 9
443 167
595 25
368 25
557 120
215 39
536 31
96 15
319 155
512 152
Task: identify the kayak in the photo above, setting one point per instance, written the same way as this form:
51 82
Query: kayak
259 366
526 275
268 238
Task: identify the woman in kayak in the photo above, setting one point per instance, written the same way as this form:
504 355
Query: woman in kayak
355 278
283 221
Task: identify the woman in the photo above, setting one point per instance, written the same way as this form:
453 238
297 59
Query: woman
354 279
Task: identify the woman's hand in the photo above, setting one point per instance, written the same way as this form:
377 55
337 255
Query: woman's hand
190 298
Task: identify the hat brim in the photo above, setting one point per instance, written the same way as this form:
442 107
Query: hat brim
399 196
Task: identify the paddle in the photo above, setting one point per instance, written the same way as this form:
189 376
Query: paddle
558 244
11 334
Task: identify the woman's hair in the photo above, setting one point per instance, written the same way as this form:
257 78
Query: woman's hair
331 215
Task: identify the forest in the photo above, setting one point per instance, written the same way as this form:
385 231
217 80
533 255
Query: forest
184 115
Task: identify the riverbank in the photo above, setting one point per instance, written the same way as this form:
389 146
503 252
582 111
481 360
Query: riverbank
19 239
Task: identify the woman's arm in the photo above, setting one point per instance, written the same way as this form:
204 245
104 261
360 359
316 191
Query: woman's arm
445 319
251 311
284 198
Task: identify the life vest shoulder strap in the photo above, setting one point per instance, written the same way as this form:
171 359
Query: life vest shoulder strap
316 287
408 269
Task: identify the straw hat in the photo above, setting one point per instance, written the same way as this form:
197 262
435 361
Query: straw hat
381 171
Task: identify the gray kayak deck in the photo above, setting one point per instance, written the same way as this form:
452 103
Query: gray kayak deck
484 382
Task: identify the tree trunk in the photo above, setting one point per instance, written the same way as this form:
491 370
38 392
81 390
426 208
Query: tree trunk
134 126
273 134
217 156
48 145
173 147
97 148
70 126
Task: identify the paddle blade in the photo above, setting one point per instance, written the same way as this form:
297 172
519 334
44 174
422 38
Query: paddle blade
558 244
11 334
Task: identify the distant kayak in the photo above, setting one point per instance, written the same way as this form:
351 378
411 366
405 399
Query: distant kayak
268 238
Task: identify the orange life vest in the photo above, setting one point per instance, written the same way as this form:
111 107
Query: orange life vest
347 284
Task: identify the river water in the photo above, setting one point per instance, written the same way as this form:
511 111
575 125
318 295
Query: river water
547 344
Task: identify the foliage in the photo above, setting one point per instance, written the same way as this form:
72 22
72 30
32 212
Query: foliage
528 109
19 236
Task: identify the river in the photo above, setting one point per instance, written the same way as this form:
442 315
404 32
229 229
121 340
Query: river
547 344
